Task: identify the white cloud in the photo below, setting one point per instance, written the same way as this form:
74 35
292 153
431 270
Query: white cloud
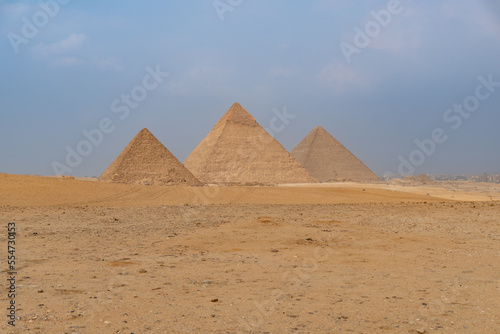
474 13
202 80
66 61
16 10
71 43
11 15
332 5
279 71
404 34
340 79
110 63
68 52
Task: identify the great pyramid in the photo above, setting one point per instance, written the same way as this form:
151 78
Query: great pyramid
239 151
328 160
146 161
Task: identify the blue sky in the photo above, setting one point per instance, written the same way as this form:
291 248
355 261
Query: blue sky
269 56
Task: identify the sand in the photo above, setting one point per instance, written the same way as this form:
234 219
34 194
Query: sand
97 257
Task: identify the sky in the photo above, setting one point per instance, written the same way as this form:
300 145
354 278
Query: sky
409 87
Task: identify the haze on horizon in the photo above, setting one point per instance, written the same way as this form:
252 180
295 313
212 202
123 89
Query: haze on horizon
378 83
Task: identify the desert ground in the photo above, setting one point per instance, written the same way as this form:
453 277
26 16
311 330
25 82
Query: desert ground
95 257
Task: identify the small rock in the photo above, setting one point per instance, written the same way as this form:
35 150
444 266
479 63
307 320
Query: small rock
214 300
274 250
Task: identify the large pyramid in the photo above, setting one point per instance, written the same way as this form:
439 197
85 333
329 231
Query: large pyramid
146 161
328 160
239 151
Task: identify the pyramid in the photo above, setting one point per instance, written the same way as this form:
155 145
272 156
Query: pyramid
328 160
146 161
422 178
239 151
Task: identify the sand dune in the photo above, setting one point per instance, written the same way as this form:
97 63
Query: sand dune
19 190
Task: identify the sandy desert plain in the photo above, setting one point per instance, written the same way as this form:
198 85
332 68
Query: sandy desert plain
95 257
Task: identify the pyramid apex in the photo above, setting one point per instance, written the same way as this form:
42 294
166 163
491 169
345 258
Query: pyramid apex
144 134
319 128
145 130
238 115
237 108
318 132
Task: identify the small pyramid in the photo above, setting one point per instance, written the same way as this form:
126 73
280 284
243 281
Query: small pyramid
328 160
146 161
422 178
239 151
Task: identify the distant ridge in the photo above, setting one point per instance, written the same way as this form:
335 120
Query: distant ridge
328 160
146 161
239 151
422 178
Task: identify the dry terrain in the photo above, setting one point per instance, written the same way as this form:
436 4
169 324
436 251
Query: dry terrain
96 257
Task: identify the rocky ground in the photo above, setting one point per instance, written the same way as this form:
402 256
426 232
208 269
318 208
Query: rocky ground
412 267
